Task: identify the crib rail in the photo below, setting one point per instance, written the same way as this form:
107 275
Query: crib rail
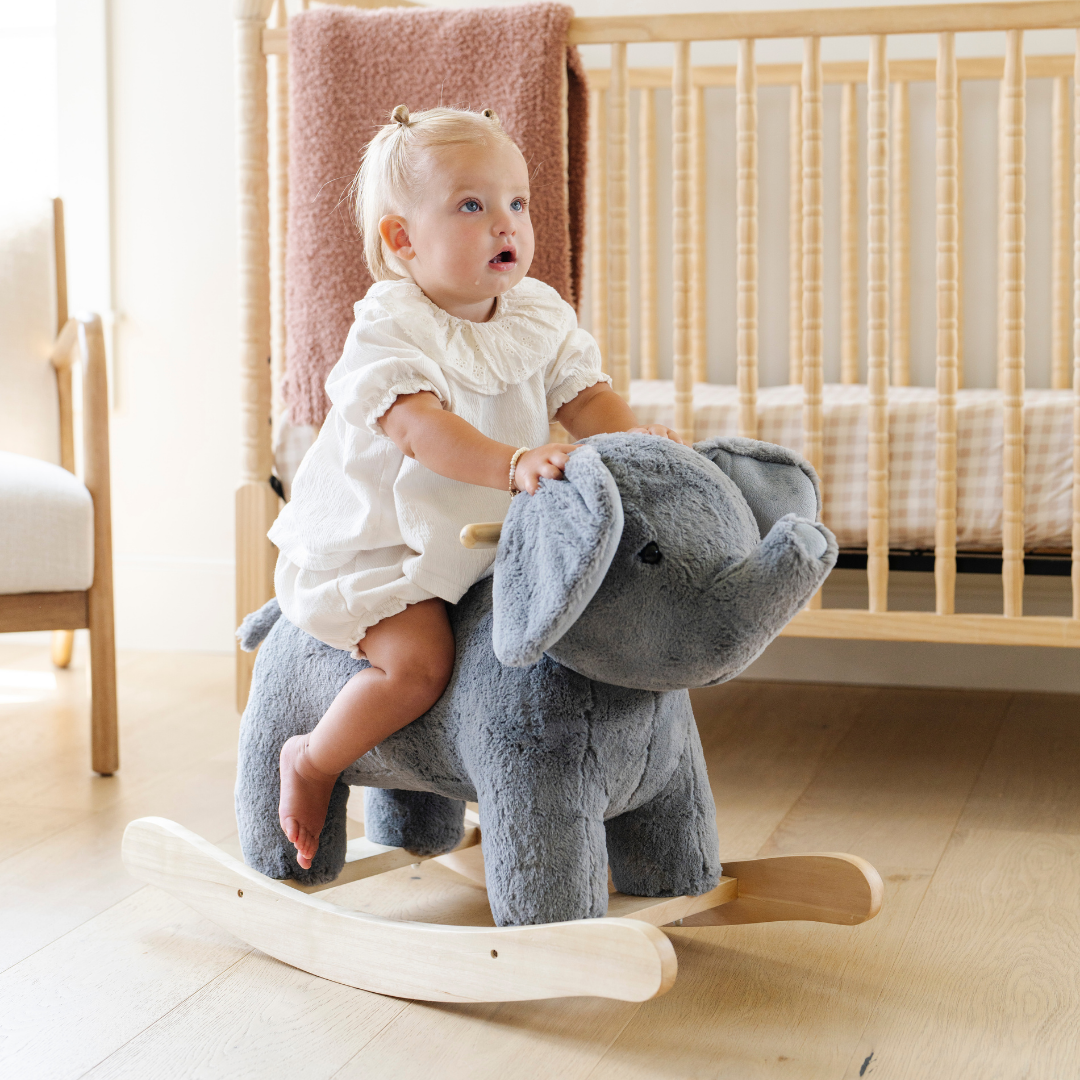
887 232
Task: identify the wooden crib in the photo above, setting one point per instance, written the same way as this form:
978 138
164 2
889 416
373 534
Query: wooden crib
262 67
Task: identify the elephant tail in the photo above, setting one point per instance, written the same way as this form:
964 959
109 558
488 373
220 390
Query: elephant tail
257 625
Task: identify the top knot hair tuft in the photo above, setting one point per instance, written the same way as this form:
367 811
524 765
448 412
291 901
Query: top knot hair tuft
401 115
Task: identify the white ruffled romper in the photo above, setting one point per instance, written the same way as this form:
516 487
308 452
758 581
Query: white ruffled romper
368 530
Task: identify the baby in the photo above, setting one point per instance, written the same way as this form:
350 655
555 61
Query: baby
454 368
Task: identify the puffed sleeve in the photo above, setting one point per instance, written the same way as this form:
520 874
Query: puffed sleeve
576 367
376 368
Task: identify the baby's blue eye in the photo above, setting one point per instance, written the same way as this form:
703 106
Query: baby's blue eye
470 206
518 205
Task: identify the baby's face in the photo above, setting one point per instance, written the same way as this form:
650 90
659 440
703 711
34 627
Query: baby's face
469 238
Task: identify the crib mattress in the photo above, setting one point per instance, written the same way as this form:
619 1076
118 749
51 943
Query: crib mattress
1048 441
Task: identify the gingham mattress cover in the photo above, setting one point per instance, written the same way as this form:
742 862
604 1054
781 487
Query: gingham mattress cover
1048 439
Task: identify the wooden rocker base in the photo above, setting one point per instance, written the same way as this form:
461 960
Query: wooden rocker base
624 956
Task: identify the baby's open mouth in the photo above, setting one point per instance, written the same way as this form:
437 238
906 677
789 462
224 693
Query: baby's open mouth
506 256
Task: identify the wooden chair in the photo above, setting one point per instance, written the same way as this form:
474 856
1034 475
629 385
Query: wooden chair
43 491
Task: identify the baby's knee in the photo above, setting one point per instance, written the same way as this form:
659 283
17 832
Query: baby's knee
432 673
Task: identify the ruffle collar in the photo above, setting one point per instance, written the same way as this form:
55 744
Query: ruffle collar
530 323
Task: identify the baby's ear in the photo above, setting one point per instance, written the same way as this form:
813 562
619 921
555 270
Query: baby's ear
774 480
556 546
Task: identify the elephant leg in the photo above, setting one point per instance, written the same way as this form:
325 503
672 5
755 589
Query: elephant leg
544 852
418 821
669 846
258 786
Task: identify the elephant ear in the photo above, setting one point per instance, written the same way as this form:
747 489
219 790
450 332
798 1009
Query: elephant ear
556 546
774 481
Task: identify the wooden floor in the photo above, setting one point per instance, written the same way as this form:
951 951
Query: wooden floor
968 804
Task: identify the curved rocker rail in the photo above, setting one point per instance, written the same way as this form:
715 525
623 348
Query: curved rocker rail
625 956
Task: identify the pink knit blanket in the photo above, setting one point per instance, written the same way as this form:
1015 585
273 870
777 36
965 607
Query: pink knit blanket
347 70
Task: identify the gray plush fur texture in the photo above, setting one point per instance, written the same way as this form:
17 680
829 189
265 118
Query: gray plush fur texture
651 568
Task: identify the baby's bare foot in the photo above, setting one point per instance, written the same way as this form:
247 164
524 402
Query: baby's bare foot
305 796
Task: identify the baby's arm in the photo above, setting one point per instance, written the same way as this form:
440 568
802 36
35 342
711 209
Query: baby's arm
444 443
599 410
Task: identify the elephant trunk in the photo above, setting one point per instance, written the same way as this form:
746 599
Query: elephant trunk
756 598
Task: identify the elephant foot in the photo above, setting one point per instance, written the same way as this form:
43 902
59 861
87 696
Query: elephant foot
418 821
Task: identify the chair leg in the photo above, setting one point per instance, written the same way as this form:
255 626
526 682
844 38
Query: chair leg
62 643
104 738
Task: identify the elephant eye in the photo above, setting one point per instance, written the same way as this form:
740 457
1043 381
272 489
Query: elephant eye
650 553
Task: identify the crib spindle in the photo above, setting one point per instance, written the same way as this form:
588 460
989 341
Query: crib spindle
1076 337
947 276
849 236
1059 233
279 208
813 263
1012 569
746 154
647 233
682 355
598 223
959 229
795 225
619 221
699 325
877 324
256 502
900 323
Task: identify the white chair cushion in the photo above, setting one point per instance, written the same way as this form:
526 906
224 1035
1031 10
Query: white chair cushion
46 528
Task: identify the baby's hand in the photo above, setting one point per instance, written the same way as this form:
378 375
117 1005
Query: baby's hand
546 461
657 429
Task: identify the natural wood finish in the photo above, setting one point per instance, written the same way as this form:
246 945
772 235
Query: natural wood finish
839 72
746 195
828 888
699 236
795 227
621 958
959 235
849 236
976 853
256 503
105 753
835 22
1060 238
619 223
877 325
813 352
900 322
948 276
598 222
481 534
279 212
647 280
364 858
1076 338
1012 557
856 625
682 237
61 647
26 612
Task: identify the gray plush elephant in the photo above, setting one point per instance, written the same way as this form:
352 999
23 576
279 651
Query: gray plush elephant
651 568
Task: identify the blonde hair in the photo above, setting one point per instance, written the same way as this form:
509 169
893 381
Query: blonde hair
386 180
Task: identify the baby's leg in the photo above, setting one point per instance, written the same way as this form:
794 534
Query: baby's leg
412 657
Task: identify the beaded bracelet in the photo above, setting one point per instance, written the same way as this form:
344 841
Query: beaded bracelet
513 469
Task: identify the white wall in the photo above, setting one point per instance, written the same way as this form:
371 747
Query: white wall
172 280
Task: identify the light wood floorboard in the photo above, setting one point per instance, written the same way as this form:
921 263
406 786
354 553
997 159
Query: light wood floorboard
968 804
